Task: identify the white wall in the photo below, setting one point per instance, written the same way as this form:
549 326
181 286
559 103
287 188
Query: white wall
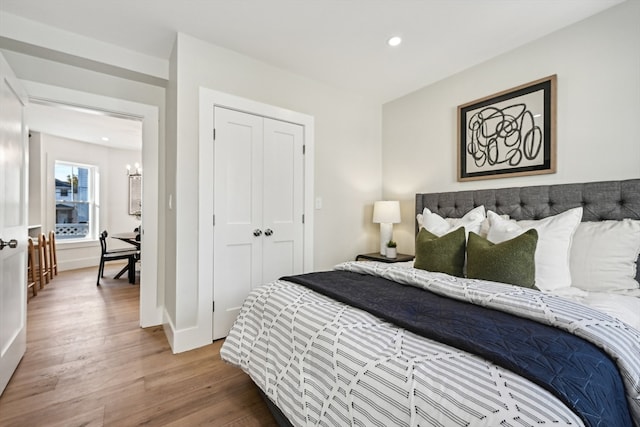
347 154
114 192
117 187
169 176
598 66
36 183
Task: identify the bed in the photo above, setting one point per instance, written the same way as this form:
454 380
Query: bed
374 344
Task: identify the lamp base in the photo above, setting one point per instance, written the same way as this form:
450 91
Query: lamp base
386 234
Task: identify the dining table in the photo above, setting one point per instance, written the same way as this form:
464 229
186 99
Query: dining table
133 238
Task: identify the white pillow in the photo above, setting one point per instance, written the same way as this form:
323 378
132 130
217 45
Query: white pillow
603 255
555 235
434 223
486 224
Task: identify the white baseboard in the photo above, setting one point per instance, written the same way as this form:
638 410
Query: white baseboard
167 326
75 264
184 339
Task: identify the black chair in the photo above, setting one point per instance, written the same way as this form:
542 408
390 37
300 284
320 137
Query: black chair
131 255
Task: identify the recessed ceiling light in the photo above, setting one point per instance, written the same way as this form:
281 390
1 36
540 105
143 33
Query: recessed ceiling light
105 139
394 41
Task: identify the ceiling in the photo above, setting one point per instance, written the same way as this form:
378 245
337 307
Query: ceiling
90 126
339 42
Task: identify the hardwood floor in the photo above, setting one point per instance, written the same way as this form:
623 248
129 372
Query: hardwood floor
88 363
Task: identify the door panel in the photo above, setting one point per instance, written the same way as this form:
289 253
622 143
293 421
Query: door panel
239 170
10 319
280 260
283 199
238 213
13 225
234 285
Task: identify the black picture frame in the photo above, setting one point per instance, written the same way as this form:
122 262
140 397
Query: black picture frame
510 133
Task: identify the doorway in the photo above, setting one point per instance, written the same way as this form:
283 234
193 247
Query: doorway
151 290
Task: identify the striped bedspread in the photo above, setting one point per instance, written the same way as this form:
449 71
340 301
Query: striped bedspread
325 363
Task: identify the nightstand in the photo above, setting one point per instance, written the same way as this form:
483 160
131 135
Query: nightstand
375 256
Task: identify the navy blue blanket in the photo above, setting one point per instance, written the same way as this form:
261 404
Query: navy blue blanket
576 371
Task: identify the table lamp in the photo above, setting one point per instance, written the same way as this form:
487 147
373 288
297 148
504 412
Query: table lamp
386 213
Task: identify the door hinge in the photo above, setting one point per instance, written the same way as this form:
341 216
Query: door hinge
214 220
304 149
213 306
214 134
303 218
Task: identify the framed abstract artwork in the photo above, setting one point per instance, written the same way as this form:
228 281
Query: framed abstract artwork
510 133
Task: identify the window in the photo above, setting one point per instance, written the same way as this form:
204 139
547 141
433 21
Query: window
76 201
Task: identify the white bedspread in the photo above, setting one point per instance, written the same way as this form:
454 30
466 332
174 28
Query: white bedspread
325 363
623 307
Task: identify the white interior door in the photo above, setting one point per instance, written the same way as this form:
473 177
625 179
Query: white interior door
238 213
283 200
13 224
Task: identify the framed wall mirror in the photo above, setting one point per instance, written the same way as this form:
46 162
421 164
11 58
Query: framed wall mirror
135 194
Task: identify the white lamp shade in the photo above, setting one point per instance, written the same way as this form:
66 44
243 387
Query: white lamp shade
386 212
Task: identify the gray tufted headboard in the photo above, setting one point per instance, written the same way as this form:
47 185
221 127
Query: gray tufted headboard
600 200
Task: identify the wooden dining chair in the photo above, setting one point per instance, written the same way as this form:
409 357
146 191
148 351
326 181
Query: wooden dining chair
37 271
53 256
31 269
131 255
43 259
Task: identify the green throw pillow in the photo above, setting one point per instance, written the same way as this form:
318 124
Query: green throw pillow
512 261
444 254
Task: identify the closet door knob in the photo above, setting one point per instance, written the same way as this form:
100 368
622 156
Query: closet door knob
257 232
268 232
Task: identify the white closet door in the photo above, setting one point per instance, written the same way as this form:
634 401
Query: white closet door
238 159
283 199
258 206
